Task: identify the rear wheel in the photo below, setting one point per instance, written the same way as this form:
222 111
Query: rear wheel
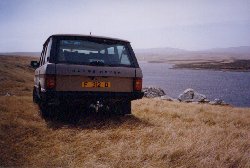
65 113
68 113
46 110
35 96
43 110
121 108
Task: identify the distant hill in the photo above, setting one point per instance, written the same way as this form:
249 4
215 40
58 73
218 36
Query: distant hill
160 51
236 50
168 53
169 50
165 54
35 54
160 54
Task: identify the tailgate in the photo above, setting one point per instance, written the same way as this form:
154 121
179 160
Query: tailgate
94 78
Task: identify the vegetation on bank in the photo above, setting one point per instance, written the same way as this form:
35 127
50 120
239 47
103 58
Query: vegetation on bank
158 134
234 65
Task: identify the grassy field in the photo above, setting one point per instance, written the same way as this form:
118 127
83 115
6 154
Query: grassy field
158 134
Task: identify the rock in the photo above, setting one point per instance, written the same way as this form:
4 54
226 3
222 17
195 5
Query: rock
190 95
218 102
165 97
195 102
151 92
176 100
8 94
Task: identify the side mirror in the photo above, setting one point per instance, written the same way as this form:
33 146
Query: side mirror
34 64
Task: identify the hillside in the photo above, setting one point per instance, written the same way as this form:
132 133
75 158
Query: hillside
236 50
158 134
175 55
29 54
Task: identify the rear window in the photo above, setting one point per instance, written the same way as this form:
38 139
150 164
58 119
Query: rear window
100 53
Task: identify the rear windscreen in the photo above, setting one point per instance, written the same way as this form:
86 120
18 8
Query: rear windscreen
100 53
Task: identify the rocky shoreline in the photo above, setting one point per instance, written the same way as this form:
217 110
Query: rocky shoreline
188 96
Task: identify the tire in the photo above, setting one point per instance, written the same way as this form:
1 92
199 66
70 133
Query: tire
45 110
35 96
65 113
126 107
121 108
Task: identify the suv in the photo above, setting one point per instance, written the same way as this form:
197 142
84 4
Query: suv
87 70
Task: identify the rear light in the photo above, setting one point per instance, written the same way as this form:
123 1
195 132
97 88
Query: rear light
50 81
137 84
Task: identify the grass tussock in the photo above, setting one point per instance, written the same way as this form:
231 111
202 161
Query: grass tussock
158 134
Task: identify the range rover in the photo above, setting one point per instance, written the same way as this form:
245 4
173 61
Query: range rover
87 70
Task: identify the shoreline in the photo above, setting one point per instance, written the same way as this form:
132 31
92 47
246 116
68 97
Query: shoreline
216 65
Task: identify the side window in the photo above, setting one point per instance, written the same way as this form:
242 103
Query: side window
47 54
123 55
43 55
40 61
44 52
41 58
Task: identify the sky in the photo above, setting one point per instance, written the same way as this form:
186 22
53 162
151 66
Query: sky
184 24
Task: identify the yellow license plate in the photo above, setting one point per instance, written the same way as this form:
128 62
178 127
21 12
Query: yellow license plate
95 84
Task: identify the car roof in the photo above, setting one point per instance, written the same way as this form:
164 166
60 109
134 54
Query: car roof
88 36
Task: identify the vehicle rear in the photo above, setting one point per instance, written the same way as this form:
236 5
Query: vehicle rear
91 70
96 65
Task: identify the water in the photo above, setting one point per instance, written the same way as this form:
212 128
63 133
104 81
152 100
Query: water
232 87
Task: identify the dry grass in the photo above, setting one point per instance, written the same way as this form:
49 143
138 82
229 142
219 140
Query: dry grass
16 76
158 134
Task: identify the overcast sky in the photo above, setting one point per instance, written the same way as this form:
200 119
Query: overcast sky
186 24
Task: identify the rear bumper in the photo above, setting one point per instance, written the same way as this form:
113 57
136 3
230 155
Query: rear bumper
89 96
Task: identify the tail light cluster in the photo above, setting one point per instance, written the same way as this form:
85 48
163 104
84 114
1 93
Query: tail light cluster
50 81
137 84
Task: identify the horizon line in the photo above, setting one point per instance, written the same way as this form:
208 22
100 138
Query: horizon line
188 50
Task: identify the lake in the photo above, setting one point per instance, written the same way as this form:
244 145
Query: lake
232 87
